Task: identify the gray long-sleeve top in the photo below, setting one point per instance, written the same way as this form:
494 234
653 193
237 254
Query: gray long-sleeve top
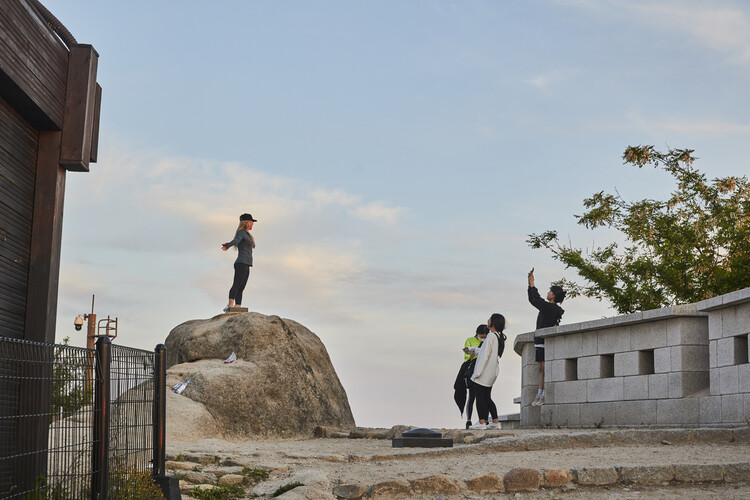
245 245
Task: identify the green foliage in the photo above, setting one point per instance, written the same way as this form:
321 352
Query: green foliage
44 492
258 474
693 246
133 485
286 487
70 392
218 493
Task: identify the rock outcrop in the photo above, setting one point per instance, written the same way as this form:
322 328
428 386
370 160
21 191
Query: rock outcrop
282 383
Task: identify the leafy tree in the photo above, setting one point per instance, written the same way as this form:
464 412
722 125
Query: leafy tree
70 390
692 246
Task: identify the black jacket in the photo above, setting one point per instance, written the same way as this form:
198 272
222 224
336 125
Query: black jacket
549 312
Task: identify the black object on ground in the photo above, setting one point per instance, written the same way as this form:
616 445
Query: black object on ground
421 438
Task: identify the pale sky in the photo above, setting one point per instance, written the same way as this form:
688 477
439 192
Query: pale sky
396 154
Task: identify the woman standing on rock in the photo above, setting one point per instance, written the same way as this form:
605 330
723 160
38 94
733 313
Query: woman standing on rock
245 243
486 370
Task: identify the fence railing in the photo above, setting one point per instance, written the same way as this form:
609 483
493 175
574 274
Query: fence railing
76 423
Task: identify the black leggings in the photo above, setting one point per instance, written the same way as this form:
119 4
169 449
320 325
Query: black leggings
485 405
470 401
241 273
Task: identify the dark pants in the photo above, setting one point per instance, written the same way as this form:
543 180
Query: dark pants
241 273
472 396
485 405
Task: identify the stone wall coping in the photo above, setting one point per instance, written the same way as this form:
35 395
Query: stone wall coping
664 313
726 300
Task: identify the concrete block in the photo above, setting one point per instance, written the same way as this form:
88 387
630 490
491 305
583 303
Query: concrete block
558 477
645 474
737 297
743 372
708 304
648 335
530 374
556 370
568 346
549 350
626 363
589 343
530 416
598 414
567 329
658 386
734 320
715 325
710 410
635 387
678 411
713 360
529 355
725 351
714 435
715 382
528 393
588 439
687 331
683 384
729 380
605 389
636 412
628 318
732 409
737 472
545 415
589 367
549 392
698 473
596 476
689 358
522 480
575 391
597 324
663 360
746 398
614 340
564 415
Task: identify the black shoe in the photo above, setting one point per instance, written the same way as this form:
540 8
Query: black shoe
468 424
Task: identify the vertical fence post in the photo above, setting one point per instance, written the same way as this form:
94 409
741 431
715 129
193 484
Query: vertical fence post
160 409
100 455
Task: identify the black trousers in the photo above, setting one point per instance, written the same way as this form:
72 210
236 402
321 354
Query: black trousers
485 405
241 274
471 386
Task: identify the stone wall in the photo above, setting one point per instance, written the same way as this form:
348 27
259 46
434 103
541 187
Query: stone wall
684 365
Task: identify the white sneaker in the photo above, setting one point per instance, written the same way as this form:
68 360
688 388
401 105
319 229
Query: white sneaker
493 425
478 427
539 401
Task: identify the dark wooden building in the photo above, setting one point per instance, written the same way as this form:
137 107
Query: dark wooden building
49 115
49 106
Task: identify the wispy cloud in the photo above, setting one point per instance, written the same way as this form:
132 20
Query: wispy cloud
721 28
719 128
546 81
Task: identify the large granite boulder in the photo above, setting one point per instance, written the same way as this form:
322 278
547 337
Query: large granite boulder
282 383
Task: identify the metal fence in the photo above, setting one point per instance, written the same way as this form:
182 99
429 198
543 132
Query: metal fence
76 423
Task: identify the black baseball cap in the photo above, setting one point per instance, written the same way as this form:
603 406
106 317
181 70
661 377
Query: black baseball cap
247 217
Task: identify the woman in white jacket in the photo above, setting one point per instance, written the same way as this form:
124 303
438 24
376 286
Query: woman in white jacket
486 370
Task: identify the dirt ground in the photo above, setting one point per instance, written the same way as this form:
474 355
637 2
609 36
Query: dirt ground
371 461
